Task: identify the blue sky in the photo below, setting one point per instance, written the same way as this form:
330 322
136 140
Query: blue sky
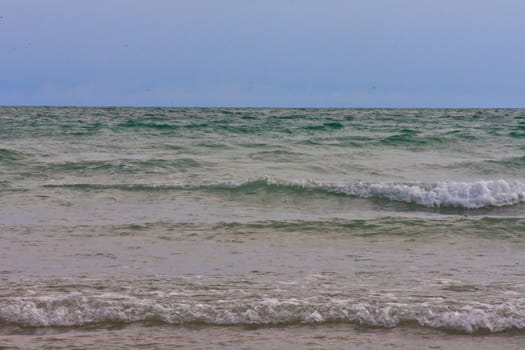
281 53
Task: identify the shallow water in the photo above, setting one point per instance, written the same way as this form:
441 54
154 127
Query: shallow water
331 336
265 228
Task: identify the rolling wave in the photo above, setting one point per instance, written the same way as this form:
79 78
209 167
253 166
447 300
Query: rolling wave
78 310
468 195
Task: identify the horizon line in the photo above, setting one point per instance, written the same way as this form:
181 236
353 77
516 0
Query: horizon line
251 107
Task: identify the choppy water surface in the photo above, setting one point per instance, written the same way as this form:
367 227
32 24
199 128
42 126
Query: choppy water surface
334 227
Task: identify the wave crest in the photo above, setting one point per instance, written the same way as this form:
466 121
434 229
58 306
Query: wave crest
77 310
471 195
468 195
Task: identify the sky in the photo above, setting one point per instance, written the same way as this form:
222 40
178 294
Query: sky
263 53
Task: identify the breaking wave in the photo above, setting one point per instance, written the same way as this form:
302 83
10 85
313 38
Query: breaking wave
77 310
469 195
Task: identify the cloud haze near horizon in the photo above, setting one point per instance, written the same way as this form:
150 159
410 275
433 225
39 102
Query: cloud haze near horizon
334 53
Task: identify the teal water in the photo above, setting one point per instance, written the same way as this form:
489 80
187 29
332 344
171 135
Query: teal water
372 218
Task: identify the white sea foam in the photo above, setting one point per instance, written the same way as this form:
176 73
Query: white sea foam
470 195
81 310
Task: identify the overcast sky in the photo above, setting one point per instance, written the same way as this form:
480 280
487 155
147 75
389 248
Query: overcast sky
329 53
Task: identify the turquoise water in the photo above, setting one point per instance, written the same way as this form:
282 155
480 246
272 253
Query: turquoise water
371 218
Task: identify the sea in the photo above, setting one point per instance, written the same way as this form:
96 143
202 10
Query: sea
261 228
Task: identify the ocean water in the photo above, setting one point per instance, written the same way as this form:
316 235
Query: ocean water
262 228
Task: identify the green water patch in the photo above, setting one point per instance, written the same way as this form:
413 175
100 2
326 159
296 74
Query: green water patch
405 228
513 162
461 288
278 155
292 116
197 126
155 116
241 129
98 187
4 184
461 134
329 126
121 166
255 145
8 156
214 145
135 124
490 228
517 134
346 141
80 128
412 139
408 132
512 166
